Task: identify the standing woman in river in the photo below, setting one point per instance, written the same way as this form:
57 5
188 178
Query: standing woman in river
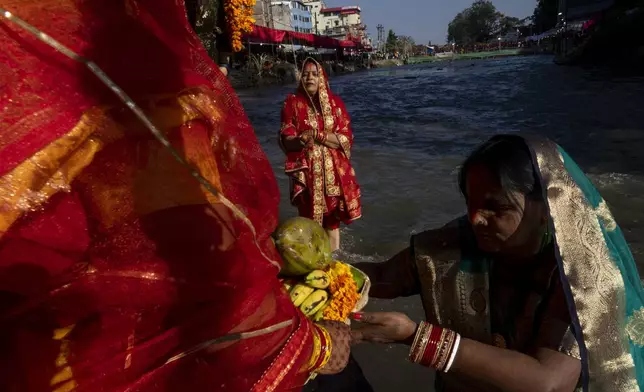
317 139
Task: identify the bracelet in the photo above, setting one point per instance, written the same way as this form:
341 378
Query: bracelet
453 355
434 347
321 348
317 349
320 137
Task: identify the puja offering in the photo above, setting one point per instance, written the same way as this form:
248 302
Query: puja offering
323 289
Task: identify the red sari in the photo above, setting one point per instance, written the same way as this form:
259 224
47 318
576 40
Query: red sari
323 182
119 271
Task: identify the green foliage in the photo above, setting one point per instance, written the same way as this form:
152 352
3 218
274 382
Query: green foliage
479 23
392 42
545 15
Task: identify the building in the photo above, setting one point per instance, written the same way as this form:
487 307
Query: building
291 16
578 9
344 23
315 6
262 13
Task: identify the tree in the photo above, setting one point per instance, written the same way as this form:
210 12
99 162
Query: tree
406 44
479 23
545 15
392 42
507 24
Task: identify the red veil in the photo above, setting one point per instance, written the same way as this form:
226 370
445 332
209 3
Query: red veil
119 271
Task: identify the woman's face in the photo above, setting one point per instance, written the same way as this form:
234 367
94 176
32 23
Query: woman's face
311 78
503 222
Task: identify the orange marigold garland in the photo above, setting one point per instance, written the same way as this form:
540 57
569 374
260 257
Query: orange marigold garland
239 18
344 292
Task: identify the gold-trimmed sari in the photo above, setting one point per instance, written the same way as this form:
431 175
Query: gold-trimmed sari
599 277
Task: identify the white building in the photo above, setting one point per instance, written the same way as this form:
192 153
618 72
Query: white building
318 20
291 15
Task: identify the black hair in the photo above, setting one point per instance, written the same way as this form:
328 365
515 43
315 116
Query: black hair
508 158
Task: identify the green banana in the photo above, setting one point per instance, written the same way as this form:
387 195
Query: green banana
299 293
318 279
314 302
319 315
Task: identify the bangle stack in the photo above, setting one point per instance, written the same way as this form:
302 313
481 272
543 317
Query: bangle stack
320 137
321 349
434 347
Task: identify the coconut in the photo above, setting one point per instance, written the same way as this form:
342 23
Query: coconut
303 245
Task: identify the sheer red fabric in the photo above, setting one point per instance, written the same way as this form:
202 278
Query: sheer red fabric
118 271
323 182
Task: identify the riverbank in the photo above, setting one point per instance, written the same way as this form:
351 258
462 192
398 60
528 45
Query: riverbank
474 55
262 71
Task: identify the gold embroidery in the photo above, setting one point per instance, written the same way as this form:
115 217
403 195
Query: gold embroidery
317 161
635 327
346 147
329 174
595 281
64 376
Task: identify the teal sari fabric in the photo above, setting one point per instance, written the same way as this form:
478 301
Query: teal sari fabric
621 255
598 272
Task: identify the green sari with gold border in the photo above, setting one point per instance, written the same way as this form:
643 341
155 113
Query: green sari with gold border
600 280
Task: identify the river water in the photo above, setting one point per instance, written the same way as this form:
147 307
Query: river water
413 126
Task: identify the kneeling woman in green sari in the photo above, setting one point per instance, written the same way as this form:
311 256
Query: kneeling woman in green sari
535 290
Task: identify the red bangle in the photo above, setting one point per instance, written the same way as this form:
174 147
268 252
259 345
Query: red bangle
434 347
431 350
321 137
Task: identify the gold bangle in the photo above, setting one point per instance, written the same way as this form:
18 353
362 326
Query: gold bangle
424 341
446 351
415 346
317 349
327 348
439 344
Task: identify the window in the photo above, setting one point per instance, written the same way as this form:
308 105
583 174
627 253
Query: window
337 22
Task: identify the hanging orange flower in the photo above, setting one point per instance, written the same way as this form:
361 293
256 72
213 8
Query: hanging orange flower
239 18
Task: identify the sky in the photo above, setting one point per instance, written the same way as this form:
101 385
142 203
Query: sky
423 20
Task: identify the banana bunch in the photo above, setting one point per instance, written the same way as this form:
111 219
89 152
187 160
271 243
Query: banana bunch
310 294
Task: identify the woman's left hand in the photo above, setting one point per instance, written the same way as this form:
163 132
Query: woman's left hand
383 327
307 138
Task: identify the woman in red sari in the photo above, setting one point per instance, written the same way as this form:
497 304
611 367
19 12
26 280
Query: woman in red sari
133 260
317 139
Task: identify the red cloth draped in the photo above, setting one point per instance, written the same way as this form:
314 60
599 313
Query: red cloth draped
323 182
263 34
115 264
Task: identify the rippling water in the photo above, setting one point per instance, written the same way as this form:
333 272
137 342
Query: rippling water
413 126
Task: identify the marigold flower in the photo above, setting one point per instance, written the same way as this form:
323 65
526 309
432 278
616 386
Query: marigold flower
344 292
239 17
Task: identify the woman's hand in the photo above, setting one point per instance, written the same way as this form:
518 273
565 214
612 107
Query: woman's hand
340 346
307 138
383 327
